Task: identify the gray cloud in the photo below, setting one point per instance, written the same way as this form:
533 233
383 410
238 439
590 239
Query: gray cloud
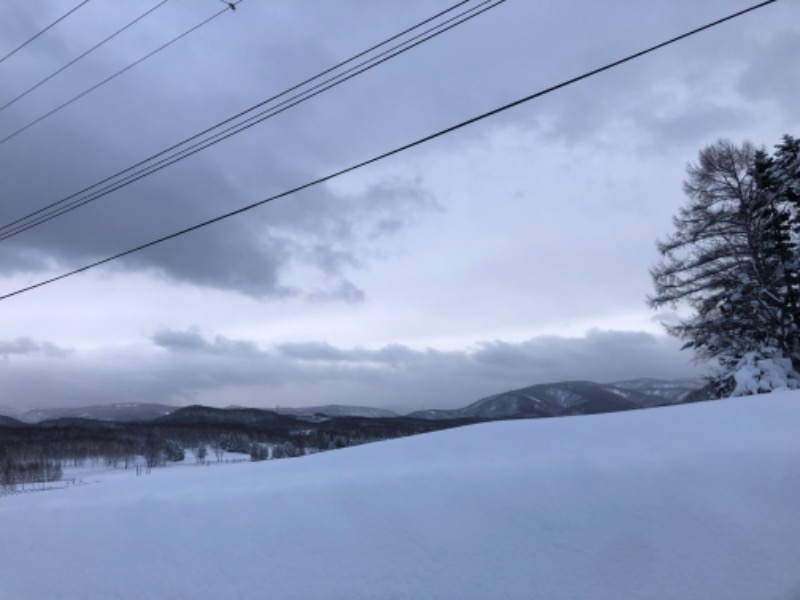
393 355
758 80
27 346
331 232
193 340
250 254
541 217
346 291
179 340
222 371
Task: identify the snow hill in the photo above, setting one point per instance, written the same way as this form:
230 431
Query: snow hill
689 502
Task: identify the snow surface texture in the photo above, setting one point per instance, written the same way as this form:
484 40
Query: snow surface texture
688 502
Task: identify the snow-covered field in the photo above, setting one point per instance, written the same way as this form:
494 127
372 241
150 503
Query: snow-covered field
689 502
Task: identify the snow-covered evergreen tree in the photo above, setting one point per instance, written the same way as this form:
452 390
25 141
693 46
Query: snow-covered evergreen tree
258 452
779 178
733 259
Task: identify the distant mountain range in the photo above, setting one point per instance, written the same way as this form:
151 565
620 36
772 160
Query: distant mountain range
542 400
9 422
121 413
573 398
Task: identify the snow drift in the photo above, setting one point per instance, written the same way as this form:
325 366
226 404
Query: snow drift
688 502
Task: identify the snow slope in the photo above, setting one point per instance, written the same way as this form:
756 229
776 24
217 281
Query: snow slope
688 502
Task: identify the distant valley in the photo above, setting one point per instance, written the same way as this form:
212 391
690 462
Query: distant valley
36 445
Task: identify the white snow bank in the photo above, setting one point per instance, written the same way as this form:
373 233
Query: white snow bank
688 502
767 371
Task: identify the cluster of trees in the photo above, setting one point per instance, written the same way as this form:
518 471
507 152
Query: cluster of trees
734 259
37 471
157 451
36 453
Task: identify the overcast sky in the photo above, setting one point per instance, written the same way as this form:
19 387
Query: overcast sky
513 252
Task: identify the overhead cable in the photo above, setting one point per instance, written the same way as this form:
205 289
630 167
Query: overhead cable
397 150
180 151
53 24
85 54
115 75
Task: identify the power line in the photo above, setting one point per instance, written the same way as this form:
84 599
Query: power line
394 151
89 51
53 24
53 210
138 175
115 75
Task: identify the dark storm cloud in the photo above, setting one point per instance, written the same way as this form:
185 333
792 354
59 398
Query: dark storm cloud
192 340
672 102
27 346
600 356
246 56
117 125
180 340
248 253
312 351
392 355
510 357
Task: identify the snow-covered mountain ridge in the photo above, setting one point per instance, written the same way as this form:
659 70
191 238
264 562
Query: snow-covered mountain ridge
549 399
572 398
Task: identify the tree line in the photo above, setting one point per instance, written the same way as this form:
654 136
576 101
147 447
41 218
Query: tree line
38 454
